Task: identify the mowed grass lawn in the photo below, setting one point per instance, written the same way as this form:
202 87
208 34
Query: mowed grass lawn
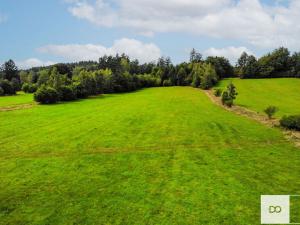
156 156
18 99
258 94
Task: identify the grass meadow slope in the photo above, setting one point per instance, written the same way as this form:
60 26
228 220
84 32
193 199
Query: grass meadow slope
156 156
19 99
258 94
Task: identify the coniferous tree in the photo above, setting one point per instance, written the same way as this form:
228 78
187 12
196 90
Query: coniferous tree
9 70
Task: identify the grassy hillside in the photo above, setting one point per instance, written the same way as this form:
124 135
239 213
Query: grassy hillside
20 98
156 156
257 94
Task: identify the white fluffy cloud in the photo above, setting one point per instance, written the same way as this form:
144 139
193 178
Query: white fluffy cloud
247 20
33 62
133 48
231 53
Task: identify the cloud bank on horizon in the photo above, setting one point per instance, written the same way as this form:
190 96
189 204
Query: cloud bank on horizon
33 62
134 49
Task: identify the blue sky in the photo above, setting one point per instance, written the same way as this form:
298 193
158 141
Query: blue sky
35 32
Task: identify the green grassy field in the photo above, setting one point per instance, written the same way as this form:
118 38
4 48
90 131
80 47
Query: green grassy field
156 156
258 94
20 98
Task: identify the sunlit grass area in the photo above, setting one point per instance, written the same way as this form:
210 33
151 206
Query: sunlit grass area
155 156
258 94
18 99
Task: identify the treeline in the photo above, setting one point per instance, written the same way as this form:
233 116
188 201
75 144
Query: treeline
114 74
279 63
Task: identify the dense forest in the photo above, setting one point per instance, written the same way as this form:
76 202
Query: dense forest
114 74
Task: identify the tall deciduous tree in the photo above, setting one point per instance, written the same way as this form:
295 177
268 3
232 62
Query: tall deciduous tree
209 76
248 66
222 66
181 76
197 72
251 69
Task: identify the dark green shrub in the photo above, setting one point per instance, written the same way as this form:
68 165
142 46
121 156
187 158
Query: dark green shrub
108 84
218 92
46 95
229 95
270 111
16 84
25 87
29 88
80 90
167 83
1 91
32 88
147 80
291 122
231 89
157 82
226 99
7 87
209 77
67 93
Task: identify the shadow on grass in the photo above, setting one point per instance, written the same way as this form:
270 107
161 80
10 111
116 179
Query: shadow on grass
243 105
93 97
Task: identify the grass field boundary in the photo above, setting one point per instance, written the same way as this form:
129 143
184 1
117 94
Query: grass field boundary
293 136
258 94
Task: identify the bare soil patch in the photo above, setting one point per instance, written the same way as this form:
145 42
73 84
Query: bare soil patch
16 107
